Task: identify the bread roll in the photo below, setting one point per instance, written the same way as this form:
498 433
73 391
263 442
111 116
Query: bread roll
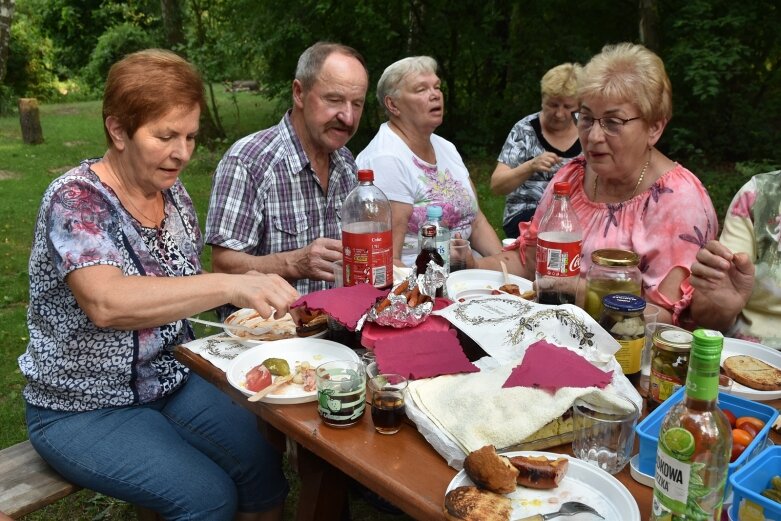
752 372
473 504
490 471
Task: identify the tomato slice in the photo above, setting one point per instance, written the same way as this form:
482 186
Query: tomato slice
756 422
258 378
740 436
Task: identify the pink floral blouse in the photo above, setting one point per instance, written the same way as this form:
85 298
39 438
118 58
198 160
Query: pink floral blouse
665 225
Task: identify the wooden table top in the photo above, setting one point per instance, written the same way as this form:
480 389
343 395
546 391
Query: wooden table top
402 468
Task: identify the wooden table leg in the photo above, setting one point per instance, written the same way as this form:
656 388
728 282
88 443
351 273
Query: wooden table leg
324 489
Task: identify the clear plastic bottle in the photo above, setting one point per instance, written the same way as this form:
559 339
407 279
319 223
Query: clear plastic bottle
367 243
433 217
559 240
695 442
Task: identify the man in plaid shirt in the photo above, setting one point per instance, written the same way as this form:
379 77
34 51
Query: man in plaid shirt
277 194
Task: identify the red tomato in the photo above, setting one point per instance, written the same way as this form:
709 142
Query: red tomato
737 450
730 416
743 420
258 378
750 428
741 436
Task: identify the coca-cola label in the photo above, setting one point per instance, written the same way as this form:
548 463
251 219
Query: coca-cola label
368 257
558 259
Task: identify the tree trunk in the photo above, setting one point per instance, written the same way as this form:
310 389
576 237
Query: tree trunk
30 119
649 24
173 23
6 15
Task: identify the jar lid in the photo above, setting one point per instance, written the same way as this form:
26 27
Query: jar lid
673 339
615 257
625 302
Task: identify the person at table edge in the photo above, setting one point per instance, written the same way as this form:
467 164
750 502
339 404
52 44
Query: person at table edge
536 147
114 269
626 193
277 194
737 279
416 168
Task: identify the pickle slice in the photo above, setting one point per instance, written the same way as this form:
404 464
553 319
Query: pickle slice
277 366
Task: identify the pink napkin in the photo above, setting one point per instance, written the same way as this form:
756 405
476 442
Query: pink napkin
551 367
422 354
346 304
372 332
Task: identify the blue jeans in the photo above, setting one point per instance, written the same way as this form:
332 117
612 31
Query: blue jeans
193 455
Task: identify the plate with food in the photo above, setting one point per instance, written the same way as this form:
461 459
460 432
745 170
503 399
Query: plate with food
261 365
755 369
313 324
466 284
515 485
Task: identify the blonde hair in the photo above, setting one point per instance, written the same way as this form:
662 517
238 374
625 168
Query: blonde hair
631 73
394 73
561 81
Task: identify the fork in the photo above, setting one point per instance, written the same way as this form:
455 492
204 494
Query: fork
570 508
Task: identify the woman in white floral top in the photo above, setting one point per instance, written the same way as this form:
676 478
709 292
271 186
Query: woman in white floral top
416 168
740 293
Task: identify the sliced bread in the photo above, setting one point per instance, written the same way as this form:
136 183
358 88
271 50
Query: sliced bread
473 504
753 373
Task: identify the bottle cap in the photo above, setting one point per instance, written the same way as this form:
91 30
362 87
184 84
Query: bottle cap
561 188
433 212
365 175
625 302
706 346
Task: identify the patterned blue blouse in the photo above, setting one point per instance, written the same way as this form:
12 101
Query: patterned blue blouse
70 363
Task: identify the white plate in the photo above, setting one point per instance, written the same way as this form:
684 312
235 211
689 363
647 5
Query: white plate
734 346
313 350
583 482
253 341
466 284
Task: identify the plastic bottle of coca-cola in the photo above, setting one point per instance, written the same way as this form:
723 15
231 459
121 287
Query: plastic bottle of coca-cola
367 243
559 238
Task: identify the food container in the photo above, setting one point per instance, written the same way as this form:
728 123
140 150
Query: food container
648 430
611 271
749 482
622 317
670 350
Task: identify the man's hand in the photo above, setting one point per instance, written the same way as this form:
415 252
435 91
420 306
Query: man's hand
317 259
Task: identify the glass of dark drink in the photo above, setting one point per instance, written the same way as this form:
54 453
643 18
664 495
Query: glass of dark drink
459 251
387 401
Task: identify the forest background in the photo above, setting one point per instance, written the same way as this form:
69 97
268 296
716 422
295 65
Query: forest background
723 59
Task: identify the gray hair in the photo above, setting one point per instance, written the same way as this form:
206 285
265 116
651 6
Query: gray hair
311 61
396 72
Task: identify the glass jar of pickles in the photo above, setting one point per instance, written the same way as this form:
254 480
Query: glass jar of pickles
611 271
669 363
622 317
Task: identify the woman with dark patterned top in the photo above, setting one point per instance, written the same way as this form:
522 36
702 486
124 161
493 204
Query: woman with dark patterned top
114 268
537 146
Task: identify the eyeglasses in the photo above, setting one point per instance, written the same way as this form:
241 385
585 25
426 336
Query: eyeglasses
611 125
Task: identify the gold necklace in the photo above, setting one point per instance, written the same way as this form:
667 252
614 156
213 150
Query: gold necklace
129 199
637 185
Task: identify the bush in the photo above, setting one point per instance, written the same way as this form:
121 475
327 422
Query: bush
29 70
112 46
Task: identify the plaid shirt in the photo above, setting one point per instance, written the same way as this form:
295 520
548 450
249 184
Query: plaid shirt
266 198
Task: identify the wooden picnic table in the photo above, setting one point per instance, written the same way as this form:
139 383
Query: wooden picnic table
403 468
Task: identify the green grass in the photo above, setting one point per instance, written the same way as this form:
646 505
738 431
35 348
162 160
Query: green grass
73 132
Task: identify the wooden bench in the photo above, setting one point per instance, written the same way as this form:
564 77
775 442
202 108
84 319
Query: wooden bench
28 483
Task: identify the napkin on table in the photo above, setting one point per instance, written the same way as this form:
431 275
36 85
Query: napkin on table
550 367
422 354
346 305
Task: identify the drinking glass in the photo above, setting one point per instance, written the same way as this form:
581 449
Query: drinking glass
341 392
459 252
387 401
604 431
650 317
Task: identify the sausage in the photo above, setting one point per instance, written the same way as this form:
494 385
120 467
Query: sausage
539 472
414 297
401 288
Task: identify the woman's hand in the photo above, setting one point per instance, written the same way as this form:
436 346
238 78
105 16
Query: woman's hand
722 282
263 292
544 162
505 179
